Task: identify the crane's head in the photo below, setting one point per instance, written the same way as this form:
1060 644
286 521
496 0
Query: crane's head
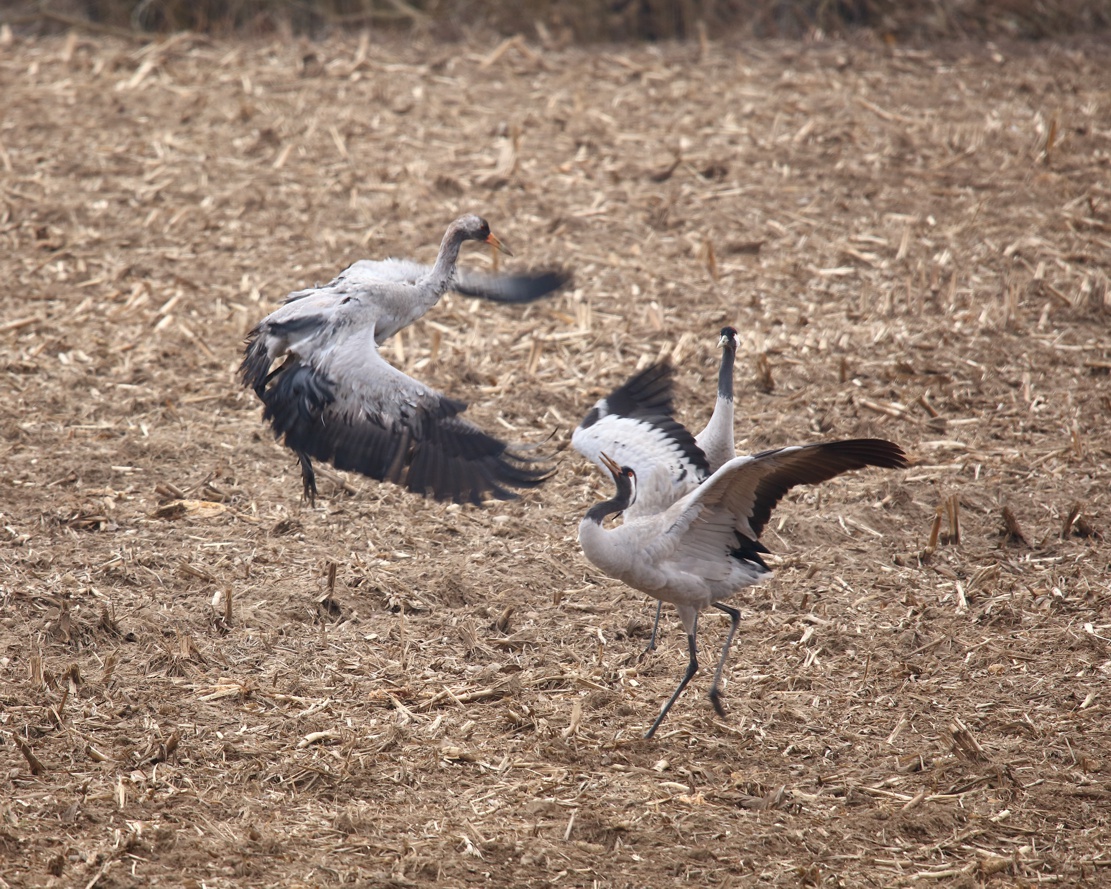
624 478
474 228
728 338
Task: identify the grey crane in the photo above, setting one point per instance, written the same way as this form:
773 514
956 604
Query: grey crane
703 546
334 397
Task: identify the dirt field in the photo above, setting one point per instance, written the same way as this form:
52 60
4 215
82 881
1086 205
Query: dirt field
914 245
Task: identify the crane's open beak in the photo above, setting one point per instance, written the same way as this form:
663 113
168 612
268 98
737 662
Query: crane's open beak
496 243
612 465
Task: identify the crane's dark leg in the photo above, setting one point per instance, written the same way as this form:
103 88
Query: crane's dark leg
308 477
692 668
655 627
734 621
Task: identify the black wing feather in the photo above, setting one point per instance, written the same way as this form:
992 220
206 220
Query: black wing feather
516 288
817 463
645 394
430 450
647 397
255 366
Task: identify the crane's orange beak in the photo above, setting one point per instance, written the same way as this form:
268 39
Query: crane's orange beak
496 243
612 465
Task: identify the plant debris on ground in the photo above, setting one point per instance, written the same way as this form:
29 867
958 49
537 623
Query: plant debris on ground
205 682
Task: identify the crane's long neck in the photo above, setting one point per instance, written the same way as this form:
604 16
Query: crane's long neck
407 304
717 439
608 549
725 375
599 512
597 542
442 273
592 532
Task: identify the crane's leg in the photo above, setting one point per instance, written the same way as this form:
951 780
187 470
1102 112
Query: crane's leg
692 668
308 478
734 621
655 627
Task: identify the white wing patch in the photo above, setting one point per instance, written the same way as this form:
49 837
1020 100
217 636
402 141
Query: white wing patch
665 471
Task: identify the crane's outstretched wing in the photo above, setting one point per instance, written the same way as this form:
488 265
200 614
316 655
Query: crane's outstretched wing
354 410
515 287
729 510
519 287
750 487
634 425
313 313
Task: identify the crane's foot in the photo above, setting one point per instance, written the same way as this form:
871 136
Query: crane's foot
308 479
715 699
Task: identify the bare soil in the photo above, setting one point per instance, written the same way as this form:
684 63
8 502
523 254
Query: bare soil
203 682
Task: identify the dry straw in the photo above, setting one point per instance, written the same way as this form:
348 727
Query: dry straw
593 20
395 692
